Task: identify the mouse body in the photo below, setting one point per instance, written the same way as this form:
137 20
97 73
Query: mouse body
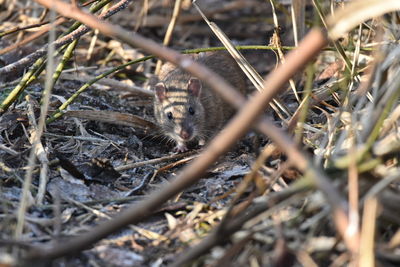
187 109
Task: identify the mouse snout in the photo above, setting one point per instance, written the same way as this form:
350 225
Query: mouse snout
186 133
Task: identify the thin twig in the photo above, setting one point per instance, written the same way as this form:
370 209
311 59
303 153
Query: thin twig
37 149
277 42
154 161
170 29
114 84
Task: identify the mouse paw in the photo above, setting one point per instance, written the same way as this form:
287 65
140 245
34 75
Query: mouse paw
202 142
180 148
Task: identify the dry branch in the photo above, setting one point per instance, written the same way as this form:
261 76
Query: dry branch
112 117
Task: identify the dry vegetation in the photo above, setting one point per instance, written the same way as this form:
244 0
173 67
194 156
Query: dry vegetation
86 178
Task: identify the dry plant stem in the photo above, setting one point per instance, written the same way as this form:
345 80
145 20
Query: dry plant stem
49 71
304 106
44 108
8 150
176 163
298 9
94 38
92 45
114 84
37 149
353 185
112 117
353 177
170 29
310 46
23 204
279 50
154 161
367 255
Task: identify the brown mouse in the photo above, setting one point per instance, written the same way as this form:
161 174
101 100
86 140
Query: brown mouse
187 109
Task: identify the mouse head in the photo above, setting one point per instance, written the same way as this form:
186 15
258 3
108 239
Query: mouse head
178 109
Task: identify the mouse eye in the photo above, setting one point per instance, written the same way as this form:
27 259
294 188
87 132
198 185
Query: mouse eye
169 115
191 111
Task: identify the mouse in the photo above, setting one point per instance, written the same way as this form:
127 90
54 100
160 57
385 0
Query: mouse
187 109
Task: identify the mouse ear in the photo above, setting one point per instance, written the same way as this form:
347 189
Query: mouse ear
160 91
194 86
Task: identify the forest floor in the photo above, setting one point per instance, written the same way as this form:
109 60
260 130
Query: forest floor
95 161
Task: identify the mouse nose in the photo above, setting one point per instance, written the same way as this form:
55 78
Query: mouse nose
186 134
